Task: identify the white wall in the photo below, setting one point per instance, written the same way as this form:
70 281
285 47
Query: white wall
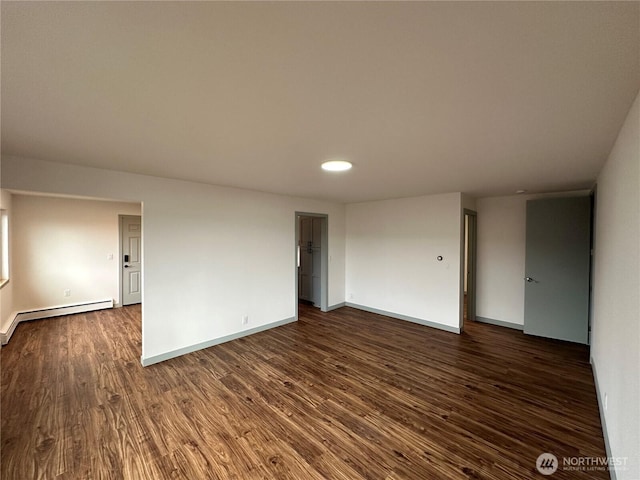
469 202
615 342
63 243
6 293
500 258
392 247
211 254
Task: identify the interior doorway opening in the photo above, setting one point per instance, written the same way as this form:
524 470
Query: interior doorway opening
311 260
469 266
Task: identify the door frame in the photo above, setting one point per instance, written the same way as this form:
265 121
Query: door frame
471 251
324 258
120 268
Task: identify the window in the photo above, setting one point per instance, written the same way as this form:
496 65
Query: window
4 248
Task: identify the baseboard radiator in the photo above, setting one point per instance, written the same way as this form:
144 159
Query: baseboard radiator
25 316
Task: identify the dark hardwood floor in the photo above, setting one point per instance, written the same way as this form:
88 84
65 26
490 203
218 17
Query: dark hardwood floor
344 395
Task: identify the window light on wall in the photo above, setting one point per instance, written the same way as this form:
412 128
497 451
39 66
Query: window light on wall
4 247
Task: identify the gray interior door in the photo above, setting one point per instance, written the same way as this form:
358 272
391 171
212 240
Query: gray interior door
558 250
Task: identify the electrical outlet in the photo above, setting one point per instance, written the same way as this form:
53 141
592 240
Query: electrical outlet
351 296
245 319
110 256
67 293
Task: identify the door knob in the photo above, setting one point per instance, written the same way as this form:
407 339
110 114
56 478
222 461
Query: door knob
126 266
529 279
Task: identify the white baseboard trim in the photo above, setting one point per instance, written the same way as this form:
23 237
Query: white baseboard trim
211 343
603 422
48 312
399 316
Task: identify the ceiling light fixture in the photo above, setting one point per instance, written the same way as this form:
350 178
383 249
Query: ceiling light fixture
520 191
336 166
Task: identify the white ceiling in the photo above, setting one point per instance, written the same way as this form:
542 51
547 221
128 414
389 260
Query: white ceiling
483 98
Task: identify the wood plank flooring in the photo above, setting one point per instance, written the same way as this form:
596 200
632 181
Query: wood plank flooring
343 395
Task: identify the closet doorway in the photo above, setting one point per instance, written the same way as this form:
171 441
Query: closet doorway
312 259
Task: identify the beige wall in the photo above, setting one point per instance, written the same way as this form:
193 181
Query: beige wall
6 293
62 243
615 340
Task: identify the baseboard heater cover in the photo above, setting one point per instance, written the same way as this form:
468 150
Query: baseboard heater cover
38 314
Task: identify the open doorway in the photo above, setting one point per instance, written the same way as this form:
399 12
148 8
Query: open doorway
469 275
64 255
311 260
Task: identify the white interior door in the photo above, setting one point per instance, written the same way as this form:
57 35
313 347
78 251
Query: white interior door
131 251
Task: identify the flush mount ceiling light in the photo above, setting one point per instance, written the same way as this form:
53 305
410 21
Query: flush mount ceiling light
520 191
336 166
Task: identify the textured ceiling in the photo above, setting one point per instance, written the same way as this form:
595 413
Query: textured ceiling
483 98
